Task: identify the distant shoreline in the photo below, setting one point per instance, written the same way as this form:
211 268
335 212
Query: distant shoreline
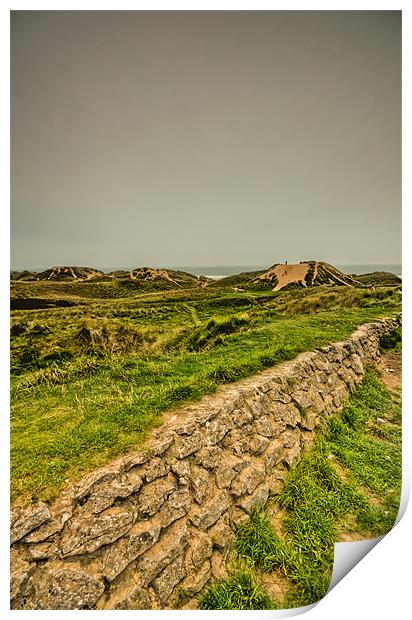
217 272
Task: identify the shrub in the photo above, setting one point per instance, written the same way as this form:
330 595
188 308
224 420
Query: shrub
101 339
213 332
391 340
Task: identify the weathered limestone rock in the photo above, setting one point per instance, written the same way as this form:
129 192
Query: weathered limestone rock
328 404
134 459
233 437
215 430
276 480
292 453
200 481
160 443
257 499
283 414
103 496
186 427
252 445
258 405
195 582
274 454
217 562
61 587
24 521
266 426
209 457
291 416
221 533
113 559
335 353
302 400
333 382
322 363
248 479
282 383
154 494
170 546
347 376
62 512
340 394
156 468
206 515
315 382
185 445
20 574
290 437
228 469
88 483
182 471
356 364
41 551
176 506
309 420
131 598
85 534
284 396
210 409
237 516
168 579
200 548
241 417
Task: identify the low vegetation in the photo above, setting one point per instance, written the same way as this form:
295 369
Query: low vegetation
379 278
238 592
348 484
89 380
392 341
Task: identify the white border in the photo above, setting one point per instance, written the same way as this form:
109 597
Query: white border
379 586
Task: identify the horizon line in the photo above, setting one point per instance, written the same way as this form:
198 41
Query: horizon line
171 266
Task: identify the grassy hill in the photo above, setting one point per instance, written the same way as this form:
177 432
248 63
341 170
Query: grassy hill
304 274
89 380
76 283
58 285
379 278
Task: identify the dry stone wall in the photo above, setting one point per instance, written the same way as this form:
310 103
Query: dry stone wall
153 528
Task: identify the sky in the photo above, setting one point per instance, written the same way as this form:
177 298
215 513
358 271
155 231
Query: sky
205 138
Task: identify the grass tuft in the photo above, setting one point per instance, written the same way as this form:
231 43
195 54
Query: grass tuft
239 591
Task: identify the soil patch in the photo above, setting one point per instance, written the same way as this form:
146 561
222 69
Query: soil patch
391 370
287 274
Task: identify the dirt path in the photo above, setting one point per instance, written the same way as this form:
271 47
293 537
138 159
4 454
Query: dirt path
391 370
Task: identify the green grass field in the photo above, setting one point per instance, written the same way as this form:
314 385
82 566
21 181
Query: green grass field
348 483
89 381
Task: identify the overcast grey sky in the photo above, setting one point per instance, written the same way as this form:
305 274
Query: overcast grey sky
205 138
